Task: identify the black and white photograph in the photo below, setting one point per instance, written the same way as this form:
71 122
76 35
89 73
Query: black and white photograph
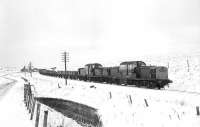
99 63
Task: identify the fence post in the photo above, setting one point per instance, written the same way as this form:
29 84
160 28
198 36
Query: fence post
146 102
33 109
31 103
29 97
45 118
25 93
110 95
37 115
188 65
197 108
168 65
130 99
63 122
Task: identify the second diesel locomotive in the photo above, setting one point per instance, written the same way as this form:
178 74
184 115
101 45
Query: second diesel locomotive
135 73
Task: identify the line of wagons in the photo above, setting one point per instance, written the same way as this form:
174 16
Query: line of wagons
135 73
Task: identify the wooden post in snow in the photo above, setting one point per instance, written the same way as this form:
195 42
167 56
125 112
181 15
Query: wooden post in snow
188 65
63 122
45 118
25 93
37 115
110 95
198 112
33 109
146 103
31 103
168 65
130 99
29 97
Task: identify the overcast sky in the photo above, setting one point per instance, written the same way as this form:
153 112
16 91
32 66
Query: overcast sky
102 31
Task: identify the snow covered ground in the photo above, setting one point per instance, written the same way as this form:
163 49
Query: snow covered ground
120 106
12 109
126 106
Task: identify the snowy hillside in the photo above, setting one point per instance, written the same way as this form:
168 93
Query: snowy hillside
186 77
184 70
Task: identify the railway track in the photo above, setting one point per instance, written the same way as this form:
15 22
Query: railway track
187 92
170 90
153 89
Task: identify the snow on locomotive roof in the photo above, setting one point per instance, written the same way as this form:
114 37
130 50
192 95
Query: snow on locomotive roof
131 62
93 64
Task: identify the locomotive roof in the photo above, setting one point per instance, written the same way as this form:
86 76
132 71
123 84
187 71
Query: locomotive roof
93 64
81 68
110 67
130 62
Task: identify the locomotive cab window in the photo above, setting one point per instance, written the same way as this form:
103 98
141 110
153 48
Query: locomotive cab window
140 63
132 66
123 67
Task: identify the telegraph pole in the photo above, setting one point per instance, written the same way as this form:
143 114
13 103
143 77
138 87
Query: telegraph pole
65 59
30 68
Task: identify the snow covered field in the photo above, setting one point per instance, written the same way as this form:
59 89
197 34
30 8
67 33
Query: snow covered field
184 70
165 108
127 106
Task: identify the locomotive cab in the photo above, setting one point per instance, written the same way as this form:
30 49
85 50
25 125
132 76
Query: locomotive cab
81 71
93 69
127 69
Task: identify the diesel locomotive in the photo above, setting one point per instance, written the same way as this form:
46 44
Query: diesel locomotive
135 73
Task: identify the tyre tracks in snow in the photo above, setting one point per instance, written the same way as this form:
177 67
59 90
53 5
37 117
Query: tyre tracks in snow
5 87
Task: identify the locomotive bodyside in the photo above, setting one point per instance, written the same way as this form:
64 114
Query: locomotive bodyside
153 72
82 74
114 72
94 72
137 73
106 71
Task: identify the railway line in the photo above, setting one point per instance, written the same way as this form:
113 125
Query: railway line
163 89
156 90
170 91
187 92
